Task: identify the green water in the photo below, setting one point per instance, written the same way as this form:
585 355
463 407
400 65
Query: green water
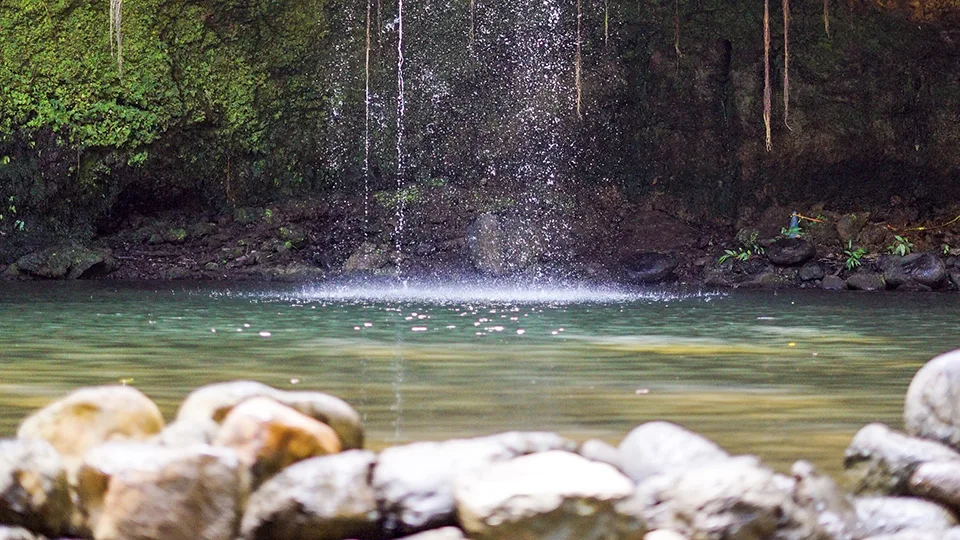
785 375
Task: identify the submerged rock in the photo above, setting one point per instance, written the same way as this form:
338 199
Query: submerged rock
34 492
881 460
555 494
790 252
658 447
414 482
650 267
90 416
323 498
930 408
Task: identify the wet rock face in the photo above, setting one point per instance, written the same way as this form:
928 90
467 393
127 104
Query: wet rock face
650 267
917 269
323 498
790 252
881 460
657 447
91 416
67 262
931 409
414 482
552 494
33 488
485 245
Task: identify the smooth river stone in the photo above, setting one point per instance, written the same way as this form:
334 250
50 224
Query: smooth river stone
881 460
322 498
937 481
557 495
268 436
91 416
889 515
932 405
34 491
216 400
657 447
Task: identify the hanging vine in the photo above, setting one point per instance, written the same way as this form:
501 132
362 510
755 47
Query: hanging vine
786 64
826 17
766 73
116 36
577 65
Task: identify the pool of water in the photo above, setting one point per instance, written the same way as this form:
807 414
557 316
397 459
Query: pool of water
781 375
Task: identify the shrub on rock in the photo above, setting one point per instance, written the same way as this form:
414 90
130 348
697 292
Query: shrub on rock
90 416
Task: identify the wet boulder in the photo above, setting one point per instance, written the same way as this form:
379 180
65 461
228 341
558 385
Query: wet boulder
322 498
866 281
67 262
552 494
414 482
917 270
658 447
34 492
790 252
811 271
733 499
90 416
367 258
268 436
832 283
136 491
881 460
937 481
650 267
889 515
850 225
215 401
931 409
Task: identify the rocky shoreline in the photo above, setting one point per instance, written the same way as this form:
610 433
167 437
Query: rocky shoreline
455 233
244 460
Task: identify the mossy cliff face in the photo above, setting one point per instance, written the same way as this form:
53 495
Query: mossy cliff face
235 101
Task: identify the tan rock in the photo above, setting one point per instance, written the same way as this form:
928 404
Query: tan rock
136 491
216 400
34 492
268 436
91 416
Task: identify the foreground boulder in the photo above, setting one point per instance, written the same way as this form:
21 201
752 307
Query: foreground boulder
136 491
734 499
937 481
889 515
323 498
443 533
34 492
931 409
657 447
67 262
835 509
215 401
914 271
881 460
90 416
414 482
556 494
268 436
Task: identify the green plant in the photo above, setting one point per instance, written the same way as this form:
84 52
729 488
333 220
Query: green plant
792 231
854 256
945 249
741 254
391 199
901 246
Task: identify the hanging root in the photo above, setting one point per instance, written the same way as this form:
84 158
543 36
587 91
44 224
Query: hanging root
786 64
766 73
826 17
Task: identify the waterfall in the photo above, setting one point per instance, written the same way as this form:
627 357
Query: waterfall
398 232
